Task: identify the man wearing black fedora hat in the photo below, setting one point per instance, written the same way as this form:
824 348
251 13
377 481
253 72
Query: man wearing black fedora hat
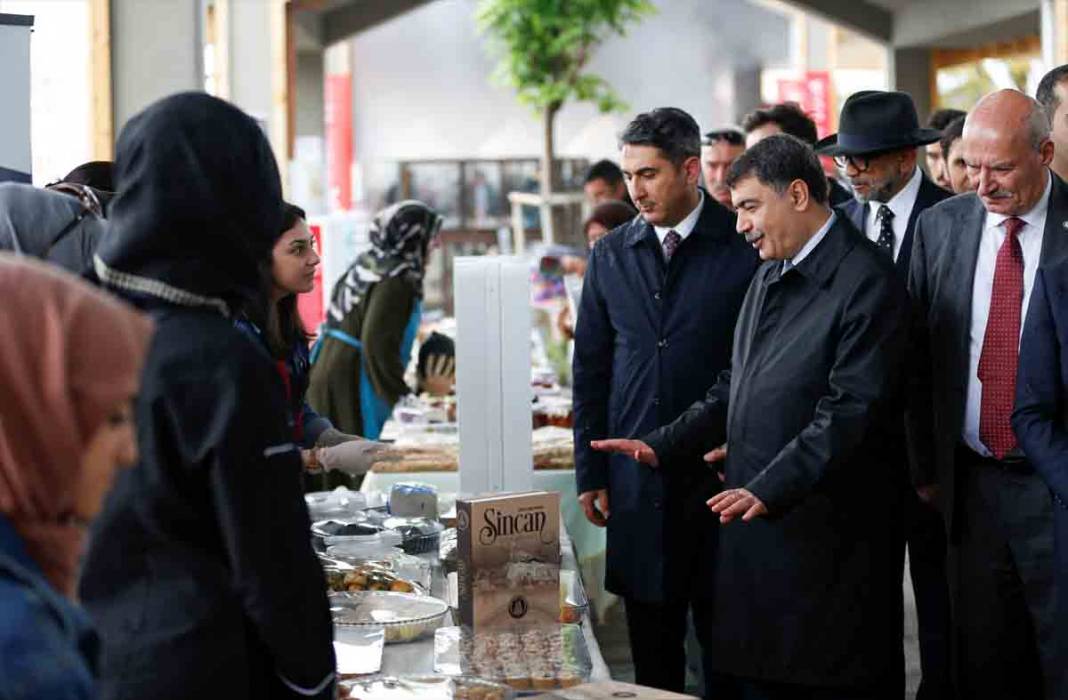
876 147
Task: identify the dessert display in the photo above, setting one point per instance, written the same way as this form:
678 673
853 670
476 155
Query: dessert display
403 616
352 568
573 602
526 658
424 688
553 411
553 448
367 577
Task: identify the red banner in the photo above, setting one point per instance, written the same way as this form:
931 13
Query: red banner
338 99
813 93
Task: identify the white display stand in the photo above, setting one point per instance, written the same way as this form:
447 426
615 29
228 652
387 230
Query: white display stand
493 393
15 155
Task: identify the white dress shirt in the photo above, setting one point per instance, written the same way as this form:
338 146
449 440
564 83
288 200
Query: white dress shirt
684 227
810 245
993 236
901 204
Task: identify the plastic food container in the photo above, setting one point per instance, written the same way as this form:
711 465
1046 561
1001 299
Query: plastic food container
412 499
419 535
424 688
346 578
357 526
358 650
339 503
573 601
448 551
366 545
534 658
348 558
403 616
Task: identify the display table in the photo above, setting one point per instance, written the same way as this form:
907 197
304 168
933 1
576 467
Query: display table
418 657
589 540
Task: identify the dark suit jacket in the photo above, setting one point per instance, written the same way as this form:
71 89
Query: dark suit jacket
810 594
941 277
837 194
929 195
650 339
1041 416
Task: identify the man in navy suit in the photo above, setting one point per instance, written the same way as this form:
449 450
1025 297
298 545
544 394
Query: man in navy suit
876 147
655 325
1041 416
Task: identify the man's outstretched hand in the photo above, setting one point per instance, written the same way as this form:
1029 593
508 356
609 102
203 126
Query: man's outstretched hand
636 449
595 506
737 502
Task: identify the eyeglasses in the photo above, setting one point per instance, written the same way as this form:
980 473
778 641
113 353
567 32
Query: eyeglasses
89 201
732 136
860 163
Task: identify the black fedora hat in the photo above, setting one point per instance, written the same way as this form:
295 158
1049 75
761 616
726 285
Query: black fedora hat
872 121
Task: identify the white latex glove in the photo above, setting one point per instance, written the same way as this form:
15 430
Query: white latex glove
356 456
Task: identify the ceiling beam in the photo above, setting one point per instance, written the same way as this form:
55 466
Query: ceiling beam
357 15
858 15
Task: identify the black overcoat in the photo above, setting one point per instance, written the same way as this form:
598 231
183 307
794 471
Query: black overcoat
809 594
650 338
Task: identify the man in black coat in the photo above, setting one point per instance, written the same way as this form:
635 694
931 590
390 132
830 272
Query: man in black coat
659 303
876 147
973 266
805 585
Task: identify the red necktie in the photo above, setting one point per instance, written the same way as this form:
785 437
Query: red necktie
1001 345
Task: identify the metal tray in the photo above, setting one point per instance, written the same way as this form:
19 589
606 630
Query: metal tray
403 616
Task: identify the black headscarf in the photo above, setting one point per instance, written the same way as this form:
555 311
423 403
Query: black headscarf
198 207
400 235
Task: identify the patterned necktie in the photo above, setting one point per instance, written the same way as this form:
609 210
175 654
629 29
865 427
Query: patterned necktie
1001 345
671 244
885 217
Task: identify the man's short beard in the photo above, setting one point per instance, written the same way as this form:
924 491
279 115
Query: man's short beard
882 194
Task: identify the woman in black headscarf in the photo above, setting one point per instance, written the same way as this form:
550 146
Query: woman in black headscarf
358 370
200 575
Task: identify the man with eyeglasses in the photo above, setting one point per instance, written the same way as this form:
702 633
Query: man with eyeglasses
720 148
876 147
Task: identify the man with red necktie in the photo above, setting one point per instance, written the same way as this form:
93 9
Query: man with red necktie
973 266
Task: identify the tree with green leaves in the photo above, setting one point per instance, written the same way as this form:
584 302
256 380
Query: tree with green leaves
544 48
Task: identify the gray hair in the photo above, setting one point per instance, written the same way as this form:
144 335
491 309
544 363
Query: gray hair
1038 125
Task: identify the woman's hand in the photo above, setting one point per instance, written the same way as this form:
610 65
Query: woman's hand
356 456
